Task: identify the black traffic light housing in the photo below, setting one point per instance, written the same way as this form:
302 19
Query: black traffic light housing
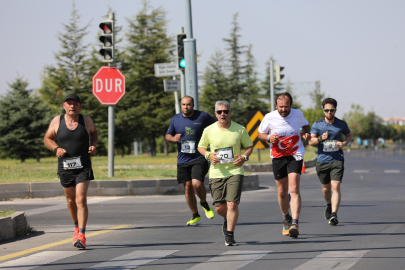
181 61
107 38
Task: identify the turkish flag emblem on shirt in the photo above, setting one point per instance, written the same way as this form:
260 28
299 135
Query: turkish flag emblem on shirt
286 146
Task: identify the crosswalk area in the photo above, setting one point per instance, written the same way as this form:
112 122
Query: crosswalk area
230 260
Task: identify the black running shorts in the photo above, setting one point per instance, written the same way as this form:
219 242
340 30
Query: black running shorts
330 171
285 165
70 178
196 169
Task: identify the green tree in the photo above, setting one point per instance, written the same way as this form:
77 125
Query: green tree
236 88
354 119
312 115
216 83
252 98
146 110
24 120
71 71
229 77
317 96
371 127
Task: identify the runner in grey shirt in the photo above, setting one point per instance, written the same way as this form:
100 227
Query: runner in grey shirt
327 134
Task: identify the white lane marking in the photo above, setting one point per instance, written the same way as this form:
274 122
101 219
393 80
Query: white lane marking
38 259
133 259
361 171
336 260
230 260
392 228
46 209
391 171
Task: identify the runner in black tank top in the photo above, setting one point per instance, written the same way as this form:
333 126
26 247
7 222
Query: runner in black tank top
75 142
76 139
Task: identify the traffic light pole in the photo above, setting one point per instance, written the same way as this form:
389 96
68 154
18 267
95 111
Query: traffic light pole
190 57
111 125
271 85
176 99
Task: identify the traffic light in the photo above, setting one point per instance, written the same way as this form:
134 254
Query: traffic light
107 38
181 62
279 76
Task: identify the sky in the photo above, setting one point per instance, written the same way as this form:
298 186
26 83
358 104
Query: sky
355 48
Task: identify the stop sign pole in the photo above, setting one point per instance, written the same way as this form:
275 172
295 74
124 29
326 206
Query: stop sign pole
109 88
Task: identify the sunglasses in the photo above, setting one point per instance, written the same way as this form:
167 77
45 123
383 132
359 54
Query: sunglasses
329 110
224 111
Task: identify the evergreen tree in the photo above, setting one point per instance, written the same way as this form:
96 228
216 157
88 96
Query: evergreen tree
146 110
216 83
24 120
252 99
236 84
71 71
317 96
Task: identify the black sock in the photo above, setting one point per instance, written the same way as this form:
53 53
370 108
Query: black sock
334 214
287 217
205 205
76 224
295 221
329 205
229 233
196 215
82 230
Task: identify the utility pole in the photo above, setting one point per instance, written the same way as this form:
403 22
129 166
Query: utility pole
271 62
176 99
190 57
182 80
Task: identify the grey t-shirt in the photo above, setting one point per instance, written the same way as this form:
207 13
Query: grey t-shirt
327 151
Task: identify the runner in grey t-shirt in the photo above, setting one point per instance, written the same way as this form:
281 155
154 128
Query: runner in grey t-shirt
327 133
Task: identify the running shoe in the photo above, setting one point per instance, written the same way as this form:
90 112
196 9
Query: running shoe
328 212
225 227
208 212
194 221
75 235
286 227
81 241
333 220
294 232
229 240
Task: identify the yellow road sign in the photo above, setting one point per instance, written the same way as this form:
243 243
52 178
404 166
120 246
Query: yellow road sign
252 128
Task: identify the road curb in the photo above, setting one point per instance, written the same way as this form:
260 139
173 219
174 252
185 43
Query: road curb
13 225
107 188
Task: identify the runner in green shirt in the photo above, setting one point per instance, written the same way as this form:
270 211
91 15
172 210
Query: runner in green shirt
226 138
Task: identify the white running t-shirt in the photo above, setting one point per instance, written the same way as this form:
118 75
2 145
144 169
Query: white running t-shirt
288 132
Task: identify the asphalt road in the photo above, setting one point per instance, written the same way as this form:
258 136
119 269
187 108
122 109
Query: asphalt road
150 233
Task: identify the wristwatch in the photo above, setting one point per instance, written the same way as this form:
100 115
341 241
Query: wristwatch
246 157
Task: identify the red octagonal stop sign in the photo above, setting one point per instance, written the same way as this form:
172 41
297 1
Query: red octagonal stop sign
108 85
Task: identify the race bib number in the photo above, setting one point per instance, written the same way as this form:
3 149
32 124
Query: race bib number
188 147
225 155
72 163
297 157
330 146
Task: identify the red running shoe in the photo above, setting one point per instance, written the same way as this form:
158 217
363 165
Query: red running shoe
75 235
81 241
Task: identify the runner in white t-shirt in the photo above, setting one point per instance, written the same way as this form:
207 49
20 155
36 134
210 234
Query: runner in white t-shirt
282 129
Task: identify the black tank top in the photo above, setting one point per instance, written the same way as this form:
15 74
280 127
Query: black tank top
75 142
